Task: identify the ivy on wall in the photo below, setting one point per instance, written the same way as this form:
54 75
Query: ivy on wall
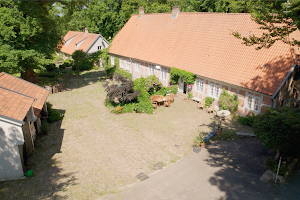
187 77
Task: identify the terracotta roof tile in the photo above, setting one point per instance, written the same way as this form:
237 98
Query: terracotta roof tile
203 44
76 37
17 96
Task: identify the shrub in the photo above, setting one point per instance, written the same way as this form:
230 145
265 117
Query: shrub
150 84
176 73
68 62
54 115
190 95
129 108
44 127
144 102
120 72
208 101
174 89
270 163
163 91
51 67
63 66
247 121
122 91
228 102
279 129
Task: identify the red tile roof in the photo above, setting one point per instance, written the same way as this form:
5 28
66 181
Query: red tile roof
17 91
202 43
89 39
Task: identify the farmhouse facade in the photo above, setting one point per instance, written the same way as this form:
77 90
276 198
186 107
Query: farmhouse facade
202 43
22 105
88 42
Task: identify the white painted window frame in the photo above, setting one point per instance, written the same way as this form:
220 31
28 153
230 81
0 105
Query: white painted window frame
214 87
137 66
112 60
251 107
121 63
198 86
151 69
164 74
127 64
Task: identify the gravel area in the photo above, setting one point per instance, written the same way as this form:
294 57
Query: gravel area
92 152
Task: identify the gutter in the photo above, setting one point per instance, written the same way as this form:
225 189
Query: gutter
287 76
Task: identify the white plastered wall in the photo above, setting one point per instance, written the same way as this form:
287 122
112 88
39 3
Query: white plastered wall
11 136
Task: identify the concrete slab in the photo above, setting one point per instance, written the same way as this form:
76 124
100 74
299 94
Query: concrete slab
224 170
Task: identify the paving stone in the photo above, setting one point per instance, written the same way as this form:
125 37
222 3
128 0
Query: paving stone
158 166
141 176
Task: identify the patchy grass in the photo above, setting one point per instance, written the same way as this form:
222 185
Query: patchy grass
93 152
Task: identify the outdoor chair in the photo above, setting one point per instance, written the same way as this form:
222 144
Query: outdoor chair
167 103
211 108
202 104
171 97
154 104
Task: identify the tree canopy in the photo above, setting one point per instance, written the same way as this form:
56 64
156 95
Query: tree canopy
28 37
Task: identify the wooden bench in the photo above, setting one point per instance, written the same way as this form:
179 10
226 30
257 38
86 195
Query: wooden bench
196 99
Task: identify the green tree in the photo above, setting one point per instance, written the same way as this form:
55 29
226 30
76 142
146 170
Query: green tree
279 129
28 37
278 20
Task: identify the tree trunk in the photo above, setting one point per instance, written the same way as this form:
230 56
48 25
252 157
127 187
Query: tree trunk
29 75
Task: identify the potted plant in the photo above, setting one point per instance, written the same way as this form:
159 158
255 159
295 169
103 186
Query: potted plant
218 127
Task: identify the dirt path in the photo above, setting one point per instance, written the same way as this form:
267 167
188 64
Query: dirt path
92 152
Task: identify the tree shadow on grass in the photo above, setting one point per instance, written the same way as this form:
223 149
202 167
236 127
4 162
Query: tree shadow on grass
48 181
84 79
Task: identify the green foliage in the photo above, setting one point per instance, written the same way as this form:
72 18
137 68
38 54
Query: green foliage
247 121
44 127
50 67
190 95
53 115
163 91
120 72
174 89
28 36
83 61
144 102
228 102
68 62
208 101
150 84
270 163
197 141
279 129
176 73
129 107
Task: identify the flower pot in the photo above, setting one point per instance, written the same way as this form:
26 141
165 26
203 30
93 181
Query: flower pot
203 144
218 130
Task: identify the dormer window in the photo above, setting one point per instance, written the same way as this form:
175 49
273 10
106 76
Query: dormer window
99 47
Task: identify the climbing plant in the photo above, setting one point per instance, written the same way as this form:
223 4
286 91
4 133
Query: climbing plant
187 77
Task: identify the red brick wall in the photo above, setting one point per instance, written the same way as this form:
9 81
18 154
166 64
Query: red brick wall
242 93
241 102
226 88
267 101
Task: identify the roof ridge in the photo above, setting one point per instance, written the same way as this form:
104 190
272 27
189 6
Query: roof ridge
24 80
17 92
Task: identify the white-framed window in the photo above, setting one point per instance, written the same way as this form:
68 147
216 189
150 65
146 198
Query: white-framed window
214 91
128 64
253 103
163 74
151 69
199 86
137 66
112 60
121 63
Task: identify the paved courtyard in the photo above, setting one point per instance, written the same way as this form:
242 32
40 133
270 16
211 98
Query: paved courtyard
92 152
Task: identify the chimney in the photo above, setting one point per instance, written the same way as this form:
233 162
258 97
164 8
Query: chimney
141 12
86 31
175 11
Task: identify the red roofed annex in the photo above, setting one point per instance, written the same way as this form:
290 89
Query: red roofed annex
202 43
